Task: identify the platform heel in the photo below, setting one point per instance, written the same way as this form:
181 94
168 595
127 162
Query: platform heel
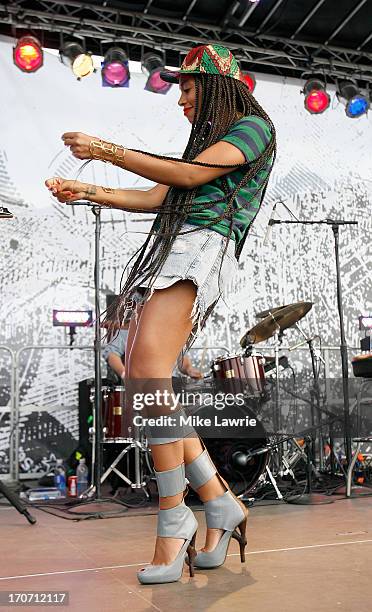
177 522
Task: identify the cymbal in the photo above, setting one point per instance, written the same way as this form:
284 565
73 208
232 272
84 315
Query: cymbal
265 313
279 320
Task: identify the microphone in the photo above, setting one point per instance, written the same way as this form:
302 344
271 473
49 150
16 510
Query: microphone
269 226
242 459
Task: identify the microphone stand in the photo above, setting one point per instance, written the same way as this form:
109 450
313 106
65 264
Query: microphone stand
94 492
335 225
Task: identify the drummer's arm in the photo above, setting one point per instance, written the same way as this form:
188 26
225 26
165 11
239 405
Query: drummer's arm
188 369
115 362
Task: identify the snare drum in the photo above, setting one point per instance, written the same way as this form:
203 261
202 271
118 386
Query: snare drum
238 372
116 425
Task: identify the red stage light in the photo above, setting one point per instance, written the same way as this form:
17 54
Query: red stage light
317 100
28 54
250 81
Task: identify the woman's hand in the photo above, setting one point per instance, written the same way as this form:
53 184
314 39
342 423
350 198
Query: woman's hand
68 191
79 144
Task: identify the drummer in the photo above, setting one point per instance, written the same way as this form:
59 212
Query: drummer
114 355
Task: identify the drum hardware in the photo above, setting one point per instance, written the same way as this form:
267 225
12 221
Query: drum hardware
269 364
292 457
117 429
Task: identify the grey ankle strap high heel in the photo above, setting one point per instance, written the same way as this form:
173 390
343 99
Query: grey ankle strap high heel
223 512
177 522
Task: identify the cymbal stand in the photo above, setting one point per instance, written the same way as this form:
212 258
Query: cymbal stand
277 416
316 361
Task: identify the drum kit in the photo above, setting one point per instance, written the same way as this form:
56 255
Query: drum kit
245 463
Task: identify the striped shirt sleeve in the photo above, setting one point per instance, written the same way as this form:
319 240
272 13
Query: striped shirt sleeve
250 135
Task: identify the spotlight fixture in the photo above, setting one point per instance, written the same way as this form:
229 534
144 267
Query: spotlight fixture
115 69
72 54
250 80
72 319
317 100
152 65
356 103
28 54
75 318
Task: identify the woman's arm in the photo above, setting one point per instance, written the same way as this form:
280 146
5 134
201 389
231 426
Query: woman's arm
186 176
127 199
165 172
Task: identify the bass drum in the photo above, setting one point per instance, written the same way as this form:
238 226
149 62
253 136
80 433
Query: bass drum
241 461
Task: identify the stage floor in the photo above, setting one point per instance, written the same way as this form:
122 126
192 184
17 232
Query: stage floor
300 558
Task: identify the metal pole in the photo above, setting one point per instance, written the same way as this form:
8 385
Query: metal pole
12 415
343 351
96 477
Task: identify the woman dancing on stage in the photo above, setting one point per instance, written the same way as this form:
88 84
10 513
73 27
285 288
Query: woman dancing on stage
205 204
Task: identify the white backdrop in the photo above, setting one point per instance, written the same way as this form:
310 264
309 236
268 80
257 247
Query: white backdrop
323 170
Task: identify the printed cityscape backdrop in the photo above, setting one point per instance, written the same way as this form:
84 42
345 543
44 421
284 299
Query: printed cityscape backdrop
47 256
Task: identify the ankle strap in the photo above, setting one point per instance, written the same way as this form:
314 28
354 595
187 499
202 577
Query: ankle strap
171 482
223 512
199 471
176 522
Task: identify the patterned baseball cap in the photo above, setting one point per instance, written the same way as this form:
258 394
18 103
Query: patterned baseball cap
206 59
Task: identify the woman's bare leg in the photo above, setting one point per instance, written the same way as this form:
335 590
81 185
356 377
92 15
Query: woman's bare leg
163 327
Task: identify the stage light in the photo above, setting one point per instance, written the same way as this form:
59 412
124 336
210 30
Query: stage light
115 69
72 54
72 318
28 54
250 81
365 321
356 104
152 65
317 100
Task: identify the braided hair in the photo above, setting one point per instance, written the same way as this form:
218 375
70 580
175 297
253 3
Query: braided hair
221 100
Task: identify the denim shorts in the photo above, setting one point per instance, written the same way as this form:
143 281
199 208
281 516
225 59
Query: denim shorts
197 257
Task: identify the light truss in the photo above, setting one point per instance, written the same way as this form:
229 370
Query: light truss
104 24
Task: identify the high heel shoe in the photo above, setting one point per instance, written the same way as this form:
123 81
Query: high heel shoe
224 512
177 522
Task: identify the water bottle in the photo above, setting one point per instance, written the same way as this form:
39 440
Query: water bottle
82 477
60 477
